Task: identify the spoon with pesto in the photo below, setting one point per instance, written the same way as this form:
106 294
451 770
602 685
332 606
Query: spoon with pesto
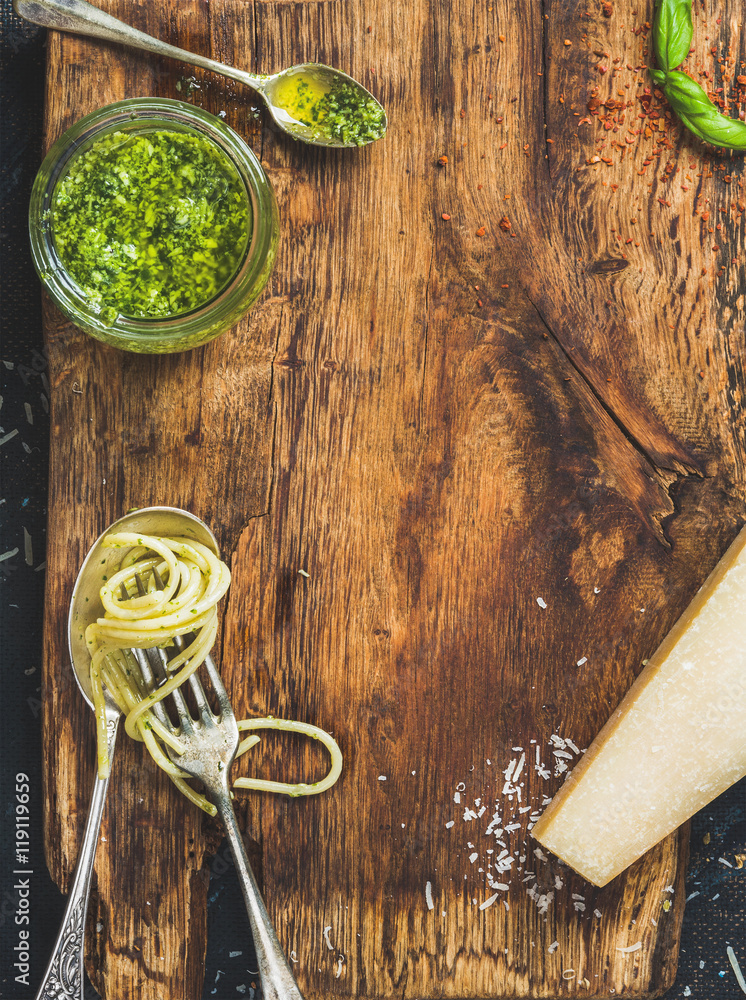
311 102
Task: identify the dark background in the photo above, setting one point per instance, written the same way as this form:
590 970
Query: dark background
715 915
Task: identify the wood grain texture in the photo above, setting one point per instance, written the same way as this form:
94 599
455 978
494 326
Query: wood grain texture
440 421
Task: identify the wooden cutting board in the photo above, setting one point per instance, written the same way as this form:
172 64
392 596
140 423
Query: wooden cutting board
495 411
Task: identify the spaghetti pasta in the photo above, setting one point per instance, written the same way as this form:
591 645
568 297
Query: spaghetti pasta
166 588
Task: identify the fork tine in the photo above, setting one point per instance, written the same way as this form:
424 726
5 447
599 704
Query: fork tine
201 698
185 716
226 709
205 712
151 664
199 692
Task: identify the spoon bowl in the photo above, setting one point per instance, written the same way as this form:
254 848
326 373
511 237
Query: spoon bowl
313 103
103 561
323 106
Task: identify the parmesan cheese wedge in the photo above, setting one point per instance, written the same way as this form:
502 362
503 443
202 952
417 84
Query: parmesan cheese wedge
677 740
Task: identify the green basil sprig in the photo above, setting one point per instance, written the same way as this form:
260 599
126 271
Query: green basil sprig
672 39
672 33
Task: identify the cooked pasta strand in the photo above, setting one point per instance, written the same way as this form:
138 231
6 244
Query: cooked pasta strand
182 582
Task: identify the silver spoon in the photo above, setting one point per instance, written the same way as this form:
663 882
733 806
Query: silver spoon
357 120
64 975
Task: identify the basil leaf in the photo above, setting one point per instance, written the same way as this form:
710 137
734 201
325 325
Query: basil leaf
690 124
672 39
722 131
672 33
700 115
686 96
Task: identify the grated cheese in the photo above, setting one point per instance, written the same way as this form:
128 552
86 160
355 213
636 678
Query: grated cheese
429 896
736 968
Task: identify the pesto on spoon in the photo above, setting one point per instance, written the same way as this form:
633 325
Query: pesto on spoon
311 102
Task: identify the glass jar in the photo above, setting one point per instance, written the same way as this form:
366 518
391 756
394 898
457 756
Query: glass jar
178 332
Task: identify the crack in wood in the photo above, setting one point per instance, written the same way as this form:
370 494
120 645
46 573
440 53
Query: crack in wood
664 476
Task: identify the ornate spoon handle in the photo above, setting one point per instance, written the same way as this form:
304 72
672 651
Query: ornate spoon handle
85 19
63 979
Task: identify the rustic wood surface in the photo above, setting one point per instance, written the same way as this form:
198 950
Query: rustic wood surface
440 420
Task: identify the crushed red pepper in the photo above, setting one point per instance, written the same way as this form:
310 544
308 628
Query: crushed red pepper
632 119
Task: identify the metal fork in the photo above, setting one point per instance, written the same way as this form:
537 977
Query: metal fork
210 744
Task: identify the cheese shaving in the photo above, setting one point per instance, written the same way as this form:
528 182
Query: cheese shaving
736 968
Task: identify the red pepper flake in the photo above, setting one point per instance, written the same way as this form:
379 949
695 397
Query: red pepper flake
481 231
462 113
442 161
701 374
446 217
505 223
480 303
607 9
504 286
568 42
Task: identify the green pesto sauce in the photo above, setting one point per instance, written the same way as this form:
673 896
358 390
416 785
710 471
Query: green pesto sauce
345 113
151 225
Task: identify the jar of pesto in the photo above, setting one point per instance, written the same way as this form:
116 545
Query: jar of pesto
153 226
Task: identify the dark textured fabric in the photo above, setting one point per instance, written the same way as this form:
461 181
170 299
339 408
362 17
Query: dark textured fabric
716 912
